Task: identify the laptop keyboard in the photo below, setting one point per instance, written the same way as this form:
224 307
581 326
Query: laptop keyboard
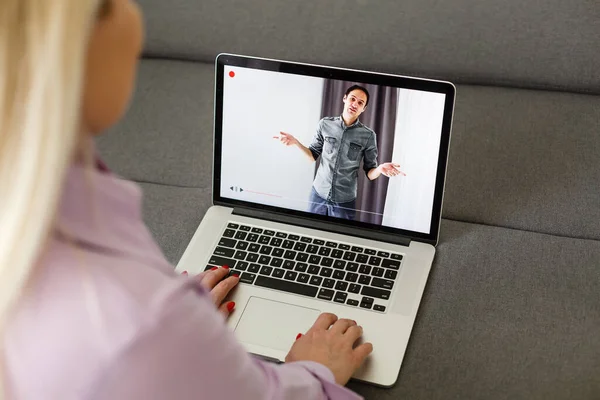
327 270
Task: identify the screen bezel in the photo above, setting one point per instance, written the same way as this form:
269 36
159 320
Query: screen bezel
404 82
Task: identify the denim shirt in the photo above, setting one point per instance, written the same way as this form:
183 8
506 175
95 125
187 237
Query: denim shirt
341 149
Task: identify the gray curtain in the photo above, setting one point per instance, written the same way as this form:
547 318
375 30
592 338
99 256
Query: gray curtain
380 116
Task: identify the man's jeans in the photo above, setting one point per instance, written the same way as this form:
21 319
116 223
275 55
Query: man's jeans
324 207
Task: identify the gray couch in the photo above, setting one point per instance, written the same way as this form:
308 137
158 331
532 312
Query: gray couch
512 306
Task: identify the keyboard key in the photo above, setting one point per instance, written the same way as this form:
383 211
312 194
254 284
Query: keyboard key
326 272
328 283
266 270
277 252
232 225
302 257
376 261
349 256
276 262
254 268
351 277
377 272
357 249
221 261
340 297
377 307
229 233
364 280
278 273
337 274
264 239
331 244
316 280
339 264
299 246
266 250
305 239
240 255
227 242
394 264
252 257
209 267
374 292
344 247
327 262
276 242
382 283
351 302
301 267
224 252
241 235
286 286
281 235
289 264
337 253
314 269
366 302
312 249
352 267
362 258
287 244
303 278
325 294
314 259
252 237
257 230
291 275
364 269
391 274
294 237
245 228
234 272
265 260
242 265
241 245
319 242
341 285
254 248
383 254
324 251
247 277
370 252
289 255
354 288
269 233
396 257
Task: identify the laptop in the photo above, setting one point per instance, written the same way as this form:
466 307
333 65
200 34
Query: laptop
327 197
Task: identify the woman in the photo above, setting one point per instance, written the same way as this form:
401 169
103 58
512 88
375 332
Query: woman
89 307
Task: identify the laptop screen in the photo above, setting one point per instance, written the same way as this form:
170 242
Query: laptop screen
332 146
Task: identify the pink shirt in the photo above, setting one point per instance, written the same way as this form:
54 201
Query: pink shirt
106 317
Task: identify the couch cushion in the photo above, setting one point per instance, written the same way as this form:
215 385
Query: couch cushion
166 137
526 159
550 44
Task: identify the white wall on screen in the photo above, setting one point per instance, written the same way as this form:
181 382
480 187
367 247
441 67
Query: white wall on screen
257 106
409 199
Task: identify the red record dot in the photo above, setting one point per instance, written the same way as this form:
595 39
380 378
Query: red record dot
231 74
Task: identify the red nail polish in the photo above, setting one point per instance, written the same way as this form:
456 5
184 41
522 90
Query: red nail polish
230 306
225 266
236 275
214 268
299 336
184 273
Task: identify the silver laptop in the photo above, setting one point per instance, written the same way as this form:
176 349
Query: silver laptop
327 197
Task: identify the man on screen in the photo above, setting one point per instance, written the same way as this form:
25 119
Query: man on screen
342 142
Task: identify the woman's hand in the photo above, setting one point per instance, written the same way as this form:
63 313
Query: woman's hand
219 288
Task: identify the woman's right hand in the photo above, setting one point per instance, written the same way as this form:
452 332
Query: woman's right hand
330 342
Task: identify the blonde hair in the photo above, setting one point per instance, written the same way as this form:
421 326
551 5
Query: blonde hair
42 62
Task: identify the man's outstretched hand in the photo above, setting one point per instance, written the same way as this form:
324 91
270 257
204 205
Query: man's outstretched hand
286 139
390 169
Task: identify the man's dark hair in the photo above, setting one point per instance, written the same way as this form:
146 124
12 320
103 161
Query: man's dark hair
362 89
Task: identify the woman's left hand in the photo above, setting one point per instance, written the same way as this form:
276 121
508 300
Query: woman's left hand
219 287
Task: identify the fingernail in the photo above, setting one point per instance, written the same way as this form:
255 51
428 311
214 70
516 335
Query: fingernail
236 275
299 336
230 306
184 273
214 268
225 266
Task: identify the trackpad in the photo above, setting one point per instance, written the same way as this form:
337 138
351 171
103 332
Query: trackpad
272 324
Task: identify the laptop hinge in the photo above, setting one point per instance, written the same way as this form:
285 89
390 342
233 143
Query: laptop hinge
323 226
